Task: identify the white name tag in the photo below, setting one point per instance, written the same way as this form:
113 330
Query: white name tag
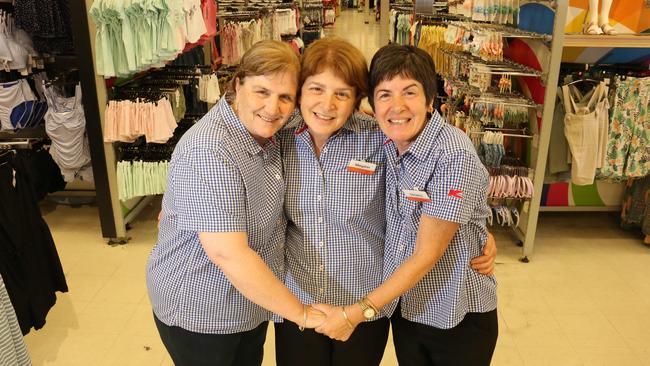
419 196
362 167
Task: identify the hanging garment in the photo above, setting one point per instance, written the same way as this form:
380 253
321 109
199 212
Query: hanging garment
28 114
635 212
127 120
138 34
582 123
194 21
44 173
65 125
29 263
628 146
209 91
13 94
141 178
559 156
12 346
47 22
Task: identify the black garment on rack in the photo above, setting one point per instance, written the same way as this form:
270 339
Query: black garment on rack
192 102
29 262
47 22
195 56
44 172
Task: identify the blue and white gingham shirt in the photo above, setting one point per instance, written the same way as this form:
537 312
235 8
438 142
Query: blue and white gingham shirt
443 162
336 218
220 180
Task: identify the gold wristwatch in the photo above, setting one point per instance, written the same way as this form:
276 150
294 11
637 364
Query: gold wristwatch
367 308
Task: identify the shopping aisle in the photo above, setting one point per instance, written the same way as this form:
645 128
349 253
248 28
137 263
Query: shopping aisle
583 299
350 25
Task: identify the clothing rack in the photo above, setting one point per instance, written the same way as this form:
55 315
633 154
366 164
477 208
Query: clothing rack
506 31
547 49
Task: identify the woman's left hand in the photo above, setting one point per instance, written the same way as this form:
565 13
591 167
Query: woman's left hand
485 263
335 326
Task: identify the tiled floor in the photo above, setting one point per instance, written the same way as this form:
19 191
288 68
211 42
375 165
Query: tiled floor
584 299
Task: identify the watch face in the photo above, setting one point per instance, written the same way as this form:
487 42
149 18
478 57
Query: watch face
368 313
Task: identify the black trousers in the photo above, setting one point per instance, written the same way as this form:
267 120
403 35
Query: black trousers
365 346
470 343
197 349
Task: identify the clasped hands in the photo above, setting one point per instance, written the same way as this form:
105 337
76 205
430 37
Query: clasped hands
330 321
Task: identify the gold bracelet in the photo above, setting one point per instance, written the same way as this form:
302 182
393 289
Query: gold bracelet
304 318
345 315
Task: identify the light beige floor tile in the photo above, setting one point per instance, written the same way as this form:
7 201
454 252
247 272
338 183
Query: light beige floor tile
643 354
569 300
83 288
122 289
142 323
534 330
99 263
135 351
74 348
584 331
556 356
107 317
634 329
606 356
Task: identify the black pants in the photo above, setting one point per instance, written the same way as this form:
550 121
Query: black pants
470 343
197 349
365 346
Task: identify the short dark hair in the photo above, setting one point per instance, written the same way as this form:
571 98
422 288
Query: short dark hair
406 61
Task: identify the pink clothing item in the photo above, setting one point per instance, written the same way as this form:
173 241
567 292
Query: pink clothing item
127 120
161 128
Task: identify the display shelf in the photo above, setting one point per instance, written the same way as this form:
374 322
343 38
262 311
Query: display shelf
26 133
607 41
579 208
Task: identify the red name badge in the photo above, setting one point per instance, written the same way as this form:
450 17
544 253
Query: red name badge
362 167
419 196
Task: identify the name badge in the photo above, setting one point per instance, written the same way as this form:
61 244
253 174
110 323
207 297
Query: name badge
362 167
419 196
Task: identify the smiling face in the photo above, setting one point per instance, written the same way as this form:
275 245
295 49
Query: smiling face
264 103
401 109
326 103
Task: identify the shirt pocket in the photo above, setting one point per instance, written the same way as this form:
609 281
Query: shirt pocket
356 195
410 212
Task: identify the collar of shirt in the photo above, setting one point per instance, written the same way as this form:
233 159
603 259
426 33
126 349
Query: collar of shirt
421 148
238 131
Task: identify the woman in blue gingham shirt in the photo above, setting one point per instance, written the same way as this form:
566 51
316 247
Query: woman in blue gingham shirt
213 276
335 204
436 209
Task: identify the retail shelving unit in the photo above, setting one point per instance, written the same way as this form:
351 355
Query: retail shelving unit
562 42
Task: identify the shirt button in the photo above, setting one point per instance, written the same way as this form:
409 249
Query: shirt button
321 290
402 247
278 176
279 221
320 220
320 173
321 244
321 267
319 197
